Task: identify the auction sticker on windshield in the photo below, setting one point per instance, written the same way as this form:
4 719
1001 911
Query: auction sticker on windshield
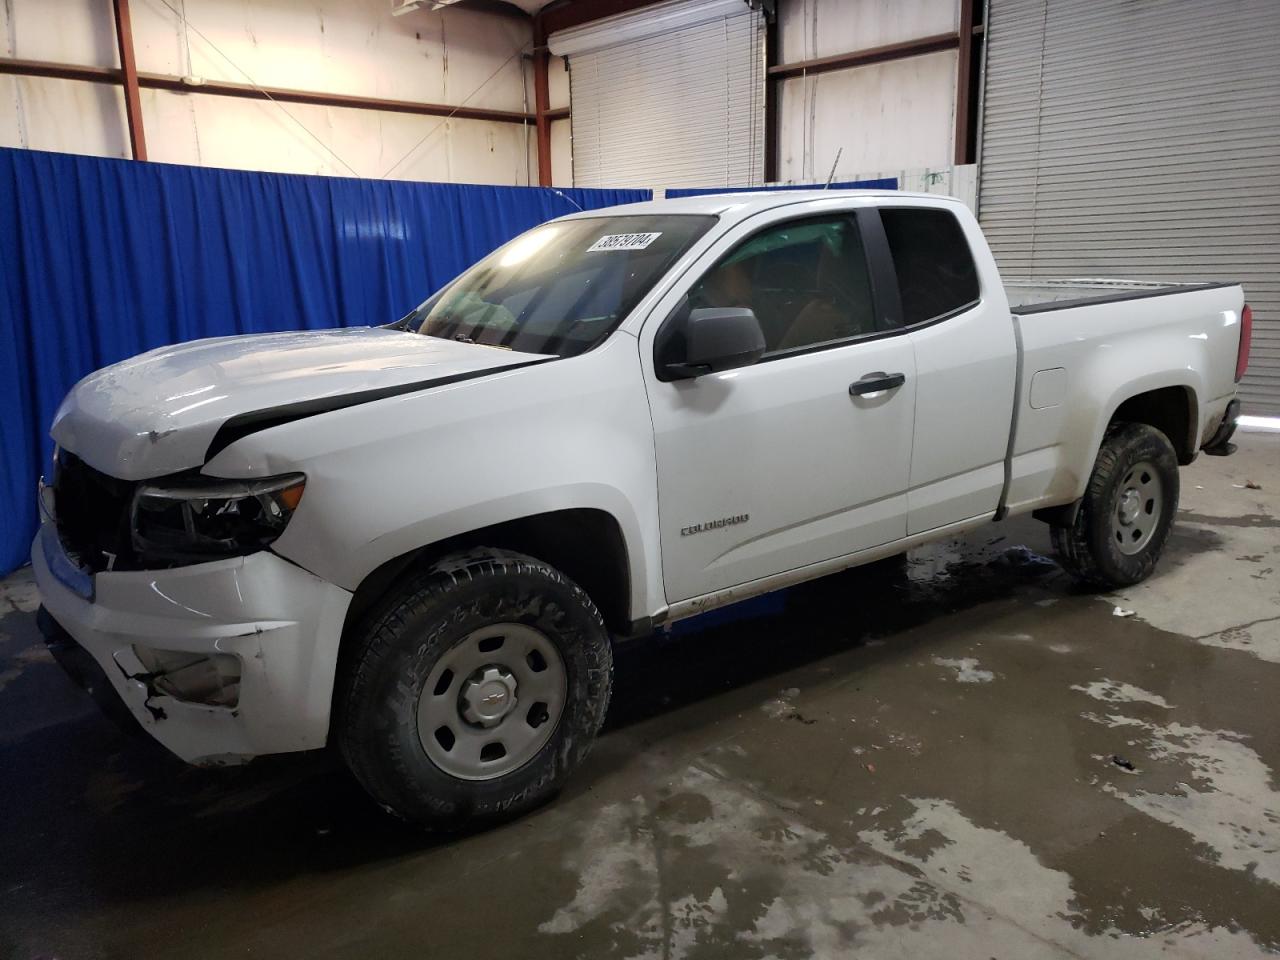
624 241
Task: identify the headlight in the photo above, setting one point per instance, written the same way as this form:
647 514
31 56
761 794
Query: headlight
203 519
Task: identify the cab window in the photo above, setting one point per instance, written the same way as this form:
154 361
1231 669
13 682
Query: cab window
936 273
806 280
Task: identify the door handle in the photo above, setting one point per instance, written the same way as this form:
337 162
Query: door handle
875 382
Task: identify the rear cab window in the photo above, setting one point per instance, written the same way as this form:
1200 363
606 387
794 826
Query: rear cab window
936 273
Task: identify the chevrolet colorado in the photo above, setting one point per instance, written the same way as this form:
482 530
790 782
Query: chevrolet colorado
417 542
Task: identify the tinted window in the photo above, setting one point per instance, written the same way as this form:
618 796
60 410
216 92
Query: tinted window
806 281
935 269
562 287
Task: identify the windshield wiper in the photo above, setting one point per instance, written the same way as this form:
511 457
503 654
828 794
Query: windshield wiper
402 324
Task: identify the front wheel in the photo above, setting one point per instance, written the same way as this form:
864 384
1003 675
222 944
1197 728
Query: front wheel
1127 510
475 690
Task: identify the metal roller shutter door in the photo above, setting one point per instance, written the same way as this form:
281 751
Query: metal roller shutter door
671 96
1125 139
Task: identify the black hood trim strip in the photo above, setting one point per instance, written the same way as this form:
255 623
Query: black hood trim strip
244 424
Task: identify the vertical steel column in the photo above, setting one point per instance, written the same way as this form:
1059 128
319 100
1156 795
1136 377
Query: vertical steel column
542 100
964 81
129 75
771 91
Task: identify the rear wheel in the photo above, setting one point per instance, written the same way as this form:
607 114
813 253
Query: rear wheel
474 690
1127 510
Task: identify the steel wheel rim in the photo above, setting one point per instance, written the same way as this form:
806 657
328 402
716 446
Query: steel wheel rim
1138 508
492 701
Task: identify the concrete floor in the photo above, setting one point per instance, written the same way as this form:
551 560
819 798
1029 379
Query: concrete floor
918 767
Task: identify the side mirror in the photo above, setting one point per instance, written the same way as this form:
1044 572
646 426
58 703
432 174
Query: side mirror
709 340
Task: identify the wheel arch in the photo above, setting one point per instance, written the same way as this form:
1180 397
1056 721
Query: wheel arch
586 544
1173 410
1086 538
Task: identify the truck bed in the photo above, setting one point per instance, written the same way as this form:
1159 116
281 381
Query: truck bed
1028 296
1092 344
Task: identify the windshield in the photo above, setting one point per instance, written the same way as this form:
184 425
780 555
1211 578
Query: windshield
560 288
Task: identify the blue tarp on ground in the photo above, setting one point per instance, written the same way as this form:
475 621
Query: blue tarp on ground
886 183
102 259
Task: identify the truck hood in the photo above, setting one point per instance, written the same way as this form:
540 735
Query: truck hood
160 412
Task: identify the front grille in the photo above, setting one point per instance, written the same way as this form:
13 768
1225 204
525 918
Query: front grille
93 514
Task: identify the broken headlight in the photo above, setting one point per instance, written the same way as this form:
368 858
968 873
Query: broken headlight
203 519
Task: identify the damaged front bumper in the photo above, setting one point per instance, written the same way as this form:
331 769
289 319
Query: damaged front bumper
220 661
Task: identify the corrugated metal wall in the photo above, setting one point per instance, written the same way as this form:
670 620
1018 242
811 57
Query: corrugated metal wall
1139 139
683 108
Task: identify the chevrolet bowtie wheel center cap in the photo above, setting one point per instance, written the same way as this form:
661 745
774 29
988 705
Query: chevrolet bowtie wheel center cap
488 696
1130 504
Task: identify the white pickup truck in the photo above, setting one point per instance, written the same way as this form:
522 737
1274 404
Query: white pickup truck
417 543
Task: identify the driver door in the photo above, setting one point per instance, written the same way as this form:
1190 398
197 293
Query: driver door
788 462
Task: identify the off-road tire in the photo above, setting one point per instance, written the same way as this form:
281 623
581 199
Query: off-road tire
394 650
1087 548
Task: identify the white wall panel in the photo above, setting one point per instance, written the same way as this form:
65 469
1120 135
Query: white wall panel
341 46
61 31
13 121
1140 140
557 83
65 116
960 182
822 28
207 130
885 115
562 153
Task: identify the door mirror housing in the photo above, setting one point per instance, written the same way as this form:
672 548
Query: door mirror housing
708 340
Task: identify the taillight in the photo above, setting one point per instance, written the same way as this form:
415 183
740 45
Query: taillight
1246 335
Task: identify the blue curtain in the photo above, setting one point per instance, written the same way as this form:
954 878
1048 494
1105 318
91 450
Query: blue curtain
887 183
103 259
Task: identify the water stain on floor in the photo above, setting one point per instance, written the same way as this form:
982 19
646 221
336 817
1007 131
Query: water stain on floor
960 756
